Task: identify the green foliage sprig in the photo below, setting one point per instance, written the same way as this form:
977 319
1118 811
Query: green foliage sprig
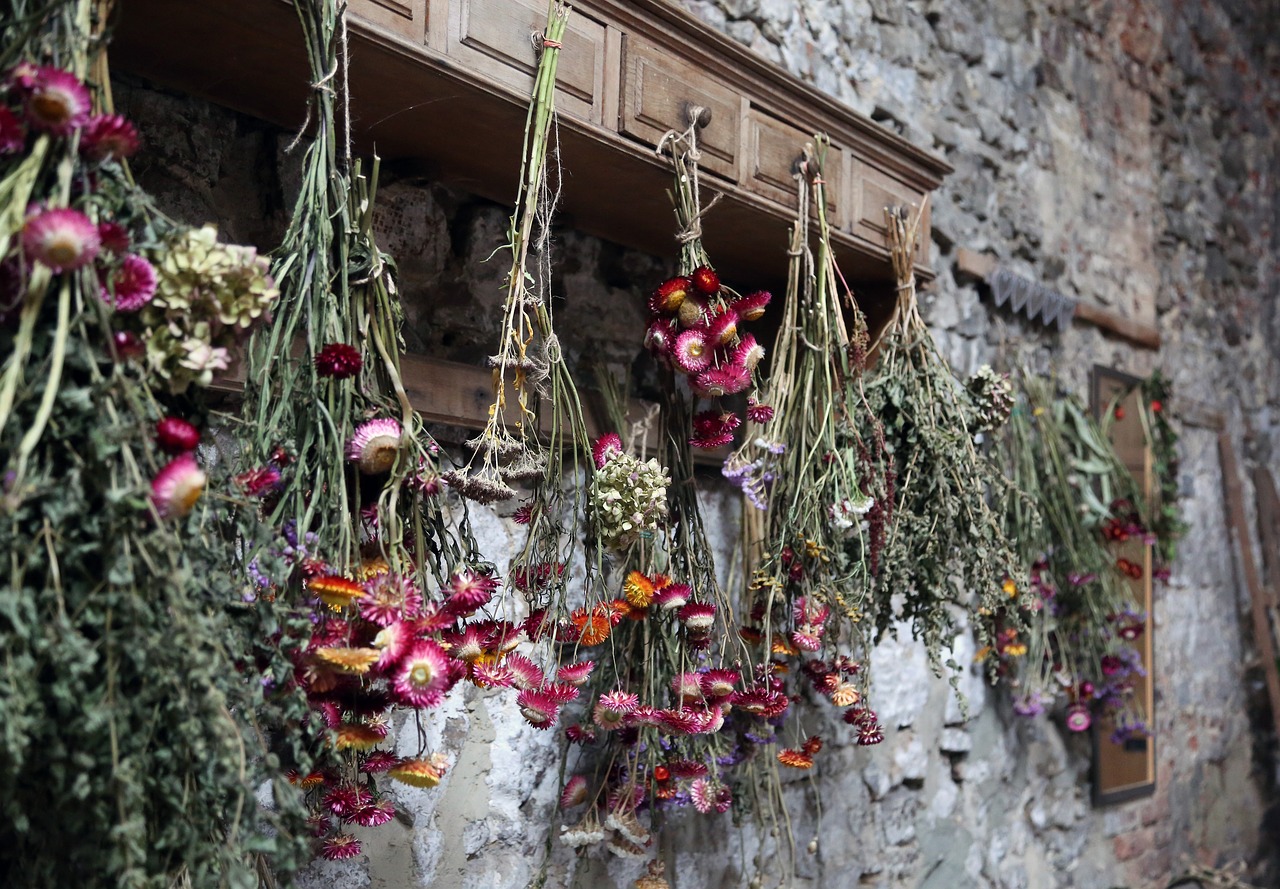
944 548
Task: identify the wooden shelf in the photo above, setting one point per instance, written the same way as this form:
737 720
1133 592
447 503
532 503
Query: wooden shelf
443 85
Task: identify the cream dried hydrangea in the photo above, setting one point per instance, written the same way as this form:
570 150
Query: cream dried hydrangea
209 295
628 495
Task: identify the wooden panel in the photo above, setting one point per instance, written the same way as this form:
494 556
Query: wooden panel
1127 771
659 88
495 38
873 191
403 18
773 148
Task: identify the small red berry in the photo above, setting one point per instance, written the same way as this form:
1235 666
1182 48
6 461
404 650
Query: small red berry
662 774
1119 412
176 436
1156 406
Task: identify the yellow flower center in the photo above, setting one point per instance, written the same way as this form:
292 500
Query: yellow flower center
422 674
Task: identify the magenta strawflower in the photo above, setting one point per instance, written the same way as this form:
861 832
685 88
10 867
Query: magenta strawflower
702 793
561 692
132 285
660 337
259 482
338 360
751 307
612 709
423 675
538 708
687 686
672 597
468 590
722 328
606 448
393 641
372 816
719 684
698 616
378 761
108 137
57 102
528 674
62 239
177 487
347 799
1078 718
727 379
575 674
692 353
748 352
389 598
575 792
375 445
340 846
13 134
757 412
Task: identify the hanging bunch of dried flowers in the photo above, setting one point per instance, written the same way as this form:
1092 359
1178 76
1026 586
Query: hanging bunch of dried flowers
937 546
128 723
348 478
1075 510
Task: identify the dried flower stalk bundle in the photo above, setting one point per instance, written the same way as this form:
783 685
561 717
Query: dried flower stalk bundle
130 724
1077 517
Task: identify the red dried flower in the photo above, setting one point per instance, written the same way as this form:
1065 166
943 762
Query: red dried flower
705 280
176 436
757 412
338 360
108 137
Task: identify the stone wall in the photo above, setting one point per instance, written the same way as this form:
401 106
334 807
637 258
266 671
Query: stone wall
1125 154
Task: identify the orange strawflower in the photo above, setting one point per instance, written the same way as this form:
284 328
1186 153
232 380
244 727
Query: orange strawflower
335 590
638 590
349 660
797 759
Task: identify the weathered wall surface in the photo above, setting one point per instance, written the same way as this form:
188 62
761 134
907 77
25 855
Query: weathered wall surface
1126 154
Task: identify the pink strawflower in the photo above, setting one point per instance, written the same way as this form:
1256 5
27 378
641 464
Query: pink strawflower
176 436
687 686
468 590
751 307
388 598
528 674
469 643
686 768
423 675
606 448
748 352
660 337
538 708
692 352
132 285
375 445
378 761
673 596
13 135
492 675
177 487
338 360
61 239
757 412
562 693
575 674
340 846
713 429
523 514
575 792
580 734
722 328
393 641
108 137
1078 718
612 709
57 102
719 684
727 379
702 793
766 703
377 814
698 616
347 800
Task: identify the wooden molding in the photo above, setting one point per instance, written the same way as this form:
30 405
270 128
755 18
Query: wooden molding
444 84
980 266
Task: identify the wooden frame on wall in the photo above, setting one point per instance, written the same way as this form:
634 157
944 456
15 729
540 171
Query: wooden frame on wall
1127 771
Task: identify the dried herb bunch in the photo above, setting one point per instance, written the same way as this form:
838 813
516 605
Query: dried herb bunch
1166 516
366 546
134 672
943 549
1076 511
